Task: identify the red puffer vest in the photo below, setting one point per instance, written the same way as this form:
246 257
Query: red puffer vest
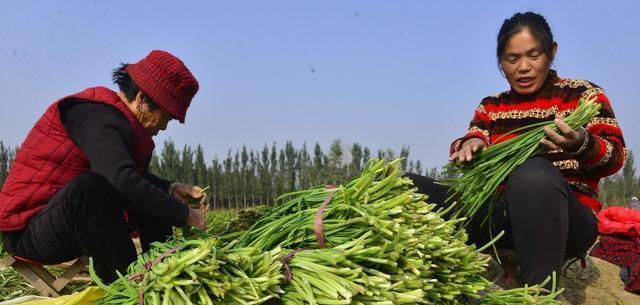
48 159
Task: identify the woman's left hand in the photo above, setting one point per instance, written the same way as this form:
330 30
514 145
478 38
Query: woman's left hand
568 139
187 194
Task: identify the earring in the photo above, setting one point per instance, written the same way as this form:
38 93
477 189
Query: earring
139 107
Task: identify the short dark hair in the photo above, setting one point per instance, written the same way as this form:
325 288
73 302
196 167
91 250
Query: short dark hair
129 88
537 26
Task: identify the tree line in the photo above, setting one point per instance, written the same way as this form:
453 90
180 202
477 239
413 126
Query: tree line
6 157
619 188
247 177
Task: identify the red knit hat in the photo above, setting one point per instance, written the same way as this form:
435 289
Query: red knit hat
166 80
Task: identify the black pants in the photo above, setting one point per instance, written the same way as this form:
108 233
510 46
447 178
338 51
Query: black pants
85 218
544 222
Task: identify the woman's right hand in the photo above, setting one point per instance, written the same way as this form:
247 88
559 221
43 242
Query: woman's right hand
467 151
196 219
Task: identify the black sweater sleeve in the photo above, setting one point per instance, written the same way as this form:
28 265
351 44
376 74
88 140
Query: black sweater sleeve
158 182
105 136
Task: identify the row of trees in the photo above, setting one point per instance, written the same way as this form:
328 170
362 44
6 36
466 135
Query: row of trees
6 157
245 177
618 189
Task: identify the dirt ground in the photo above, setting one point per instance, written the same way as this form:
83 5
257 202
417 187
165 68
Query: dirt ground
597 284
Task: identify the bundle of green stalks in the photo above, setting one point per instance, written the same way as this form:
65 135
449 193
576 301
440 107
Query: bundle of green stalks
196 272
219 221
409 254
228 227
13 285
321 276
332 276
528 295
479 180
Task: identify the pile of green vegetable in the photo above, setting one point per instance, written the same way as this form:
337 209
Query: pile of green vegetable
228 223
409 253
373 240
383 237
12 285
196 272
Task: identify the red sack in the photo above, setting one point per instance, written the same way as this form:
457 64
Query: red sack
619 220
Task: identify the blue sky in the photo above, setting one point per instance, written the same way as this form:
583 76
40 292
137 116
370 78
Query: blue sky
380 73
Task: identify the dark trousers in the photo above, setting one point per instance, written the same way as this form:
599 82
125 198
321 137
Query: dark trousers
544 222
85 218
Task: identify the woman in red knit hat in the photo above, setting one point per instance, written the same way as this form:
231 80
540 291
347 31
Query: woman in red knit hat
547 206
79 183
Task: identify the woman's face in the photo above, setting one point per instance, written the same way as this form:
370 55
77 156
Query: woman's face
524 62
152 121
156 120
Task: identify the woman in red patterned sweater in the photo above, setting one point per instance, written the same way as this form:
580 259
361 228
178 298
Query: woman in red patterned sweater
548 203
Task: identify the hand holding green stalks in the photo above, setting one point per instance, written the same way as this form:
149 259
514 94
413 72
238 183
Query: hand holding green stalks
204 199
198 201
480 178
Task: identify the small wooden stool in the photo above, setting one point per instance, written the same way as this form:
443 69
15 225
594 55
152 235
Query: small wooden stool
43 281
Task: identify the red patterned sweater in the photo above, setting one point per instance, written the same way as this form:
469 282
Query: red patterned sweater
605 151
